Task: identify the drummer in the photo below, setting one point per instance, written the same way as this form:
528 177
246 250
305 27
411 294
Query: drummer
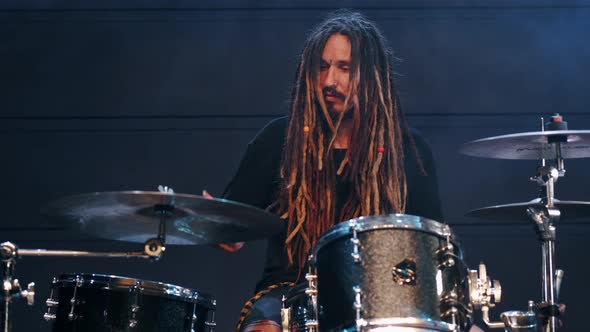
344 151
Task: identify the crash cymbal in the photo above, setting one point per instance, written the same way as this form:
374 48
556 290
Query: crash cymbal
518 211
531 145
135 216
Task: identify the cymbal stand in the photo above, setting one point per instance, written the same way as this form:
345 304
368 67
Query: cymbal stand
545 218
10 286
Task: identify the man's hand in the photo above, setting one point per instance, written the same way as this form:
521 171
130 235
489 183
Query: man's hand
230 247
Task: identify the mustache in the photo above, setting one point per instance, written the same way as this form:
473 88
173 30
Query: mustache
331 91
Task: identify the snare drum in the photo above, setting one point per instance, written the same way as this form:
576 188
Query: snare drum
390 272
101 303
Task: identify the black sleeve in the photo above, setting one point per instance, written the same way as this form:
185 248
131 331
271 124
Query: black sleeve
423 194
256 179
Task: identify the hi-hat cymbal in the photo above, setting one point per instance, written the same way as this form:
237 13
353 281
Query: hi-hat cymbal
518 211
531 145
135 216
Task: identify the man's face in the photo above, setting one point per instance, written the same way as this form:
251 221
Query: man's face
335 72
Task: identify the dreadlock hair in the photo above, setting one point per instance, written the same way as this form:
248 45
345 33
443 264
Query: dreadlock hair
374 160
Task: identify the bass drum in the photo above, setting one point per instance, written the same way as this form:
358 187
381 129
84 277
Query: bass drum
397 271
101 303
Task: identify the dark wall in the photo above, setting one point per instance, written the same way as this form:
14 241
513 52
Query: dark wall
101 95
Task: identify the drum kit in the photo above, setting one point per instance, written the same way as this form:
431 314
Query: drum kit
389 272
407 273
97 302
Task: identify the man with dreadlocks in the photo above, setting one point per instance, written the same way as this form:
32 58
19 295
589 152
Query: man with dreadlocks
344 151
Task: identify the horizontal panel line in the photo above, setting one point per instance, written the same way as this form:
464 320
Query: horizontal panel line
146 117
568 224
127 130
29 229
85 21
255 116
297 8
188 130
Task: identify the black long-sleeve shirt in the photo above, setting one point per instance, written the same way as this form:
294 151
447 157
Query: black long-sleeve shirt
257 180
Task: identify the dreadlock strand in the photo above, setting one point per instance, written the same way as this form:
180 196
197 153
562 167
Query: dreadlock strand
307 198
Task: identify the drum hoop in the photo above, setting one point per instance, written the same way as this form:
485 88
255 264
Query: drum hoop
386 221
296 291
147 287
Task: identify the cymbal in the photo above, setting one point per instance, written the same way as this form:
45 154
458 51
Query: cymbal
518 211
135 216
531 145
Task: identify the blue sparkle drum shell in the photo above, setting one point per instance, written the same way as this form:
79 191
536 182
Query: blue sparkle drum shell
367 292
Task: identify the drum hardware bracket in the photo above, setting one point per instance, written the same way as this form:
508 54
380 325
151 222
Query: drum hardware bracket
358 308
103 254
545 174
356 243
446 254
211 324
285 314
543 217
154 248
73 300
548 309
404 272
484 293
457 312
453 314
134 305
460 318
485 310
15 290
51 302
312 295
11 287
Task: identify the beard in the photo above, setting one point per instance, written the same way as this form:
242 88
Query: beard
335 114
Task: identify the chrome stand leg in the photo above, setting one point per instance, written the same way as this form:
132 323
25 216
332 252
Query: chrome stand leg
5 309
544 219
549 298
7 255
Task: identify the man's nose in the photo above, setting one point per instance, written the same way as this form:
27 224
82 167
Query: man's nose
330 79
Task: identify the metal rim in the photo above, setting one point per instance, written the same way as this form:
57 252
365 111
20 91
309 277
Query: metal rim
113 282
386 221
